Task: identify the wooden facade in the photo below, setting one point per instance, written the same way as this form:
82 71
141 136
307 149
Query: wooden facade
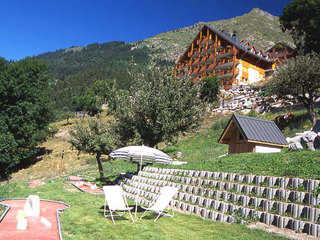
282 51
214 52
246 134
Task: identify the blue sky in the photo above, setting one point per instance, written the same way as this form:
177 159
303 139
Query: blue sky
31 27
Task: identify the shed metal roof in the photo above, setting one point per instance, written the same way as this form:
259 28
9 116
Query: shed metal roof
257 130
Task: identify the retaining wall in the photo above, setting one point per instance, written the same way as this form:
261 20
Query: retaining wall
232 197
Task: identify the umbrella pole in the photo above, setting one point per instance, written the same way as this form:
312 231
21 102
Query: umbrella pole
138 193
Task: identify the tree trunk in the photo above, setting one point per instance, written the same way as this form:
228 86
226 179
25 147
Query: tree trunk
311 113
100 165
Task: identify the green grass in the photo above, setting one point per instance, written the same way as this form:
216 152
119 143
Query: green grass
304 164
84 220
202 152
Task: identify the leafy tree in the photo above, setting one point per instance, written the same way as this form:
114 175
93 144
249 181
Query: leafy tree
67 114
25 109
301 18
158 109
89 103
104 88
94 137
210 88
300 79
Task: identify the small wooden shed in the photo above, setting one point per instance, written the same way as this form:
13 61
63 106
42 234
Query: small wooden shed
249 134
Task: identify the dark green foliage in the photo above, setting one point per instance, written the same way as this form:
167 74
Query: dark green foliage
300 79
76 69
89 103
94 137
25 109
301 18
210 89
159 108
8 154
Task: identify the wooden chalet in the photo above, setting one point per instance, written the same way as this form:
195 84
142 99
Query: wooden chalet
282 51
248 134
214 52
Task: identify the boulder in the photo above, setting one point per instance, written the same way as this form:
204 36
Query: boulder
316 143
309 136
295 146
316 127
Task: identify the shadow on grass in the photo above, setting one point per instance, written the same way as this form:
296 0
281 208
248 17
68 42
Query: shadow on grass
26 163
149 215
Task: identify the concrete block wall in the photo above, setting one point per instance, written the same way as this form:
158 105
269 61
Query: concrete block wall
232 197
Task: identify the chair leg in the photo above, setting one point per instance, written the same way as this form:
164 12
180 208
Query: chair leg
112 217
104 209
158 216
131 216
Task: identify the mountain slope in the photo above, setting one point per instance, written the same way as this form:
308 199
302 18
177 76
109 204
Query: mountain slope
259 27
75 69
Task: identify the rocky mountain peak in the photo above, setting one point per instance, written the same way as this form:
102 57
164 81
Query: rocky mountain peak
262 13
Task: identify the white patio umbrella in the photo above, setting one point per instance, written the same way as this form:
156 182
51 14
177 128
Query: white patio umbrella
141 154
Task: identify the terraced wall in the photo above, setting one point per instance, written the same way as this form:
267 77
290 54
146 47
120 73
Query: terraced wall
232 197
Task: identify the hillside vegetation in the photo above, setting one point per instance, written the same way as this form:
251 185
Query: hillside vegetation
202 151
75 69
258 27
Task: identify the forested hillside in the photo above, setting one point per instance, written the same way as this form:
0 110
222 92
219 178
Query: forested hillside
75 69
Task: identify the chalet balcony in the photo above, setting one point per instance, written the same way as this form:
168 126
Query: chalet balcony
196 55
224 55
211 58
203 69
203 60
224 65
195 63
203 53
195 72
225 76
210 68
210 50
219 48
206 41
203 41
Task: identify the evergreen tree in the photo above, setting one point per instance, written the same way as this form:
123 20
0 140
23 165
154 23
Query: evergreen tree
301 18
25 109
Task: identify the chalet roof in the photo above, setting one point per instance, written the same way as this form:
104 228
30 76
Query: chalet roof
238 44
233 41
256 130
281 43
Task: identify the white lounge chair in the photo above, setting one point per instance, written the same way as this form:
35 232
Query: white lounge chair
161 202
116 202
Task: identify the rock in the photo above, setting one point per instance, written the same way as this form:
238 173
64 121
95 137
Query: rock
316 127
309 136
310 145
316 143
295 146
247 104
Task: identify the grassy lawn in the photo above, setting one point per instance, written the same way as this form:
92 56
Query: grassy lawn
202 152
84 220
